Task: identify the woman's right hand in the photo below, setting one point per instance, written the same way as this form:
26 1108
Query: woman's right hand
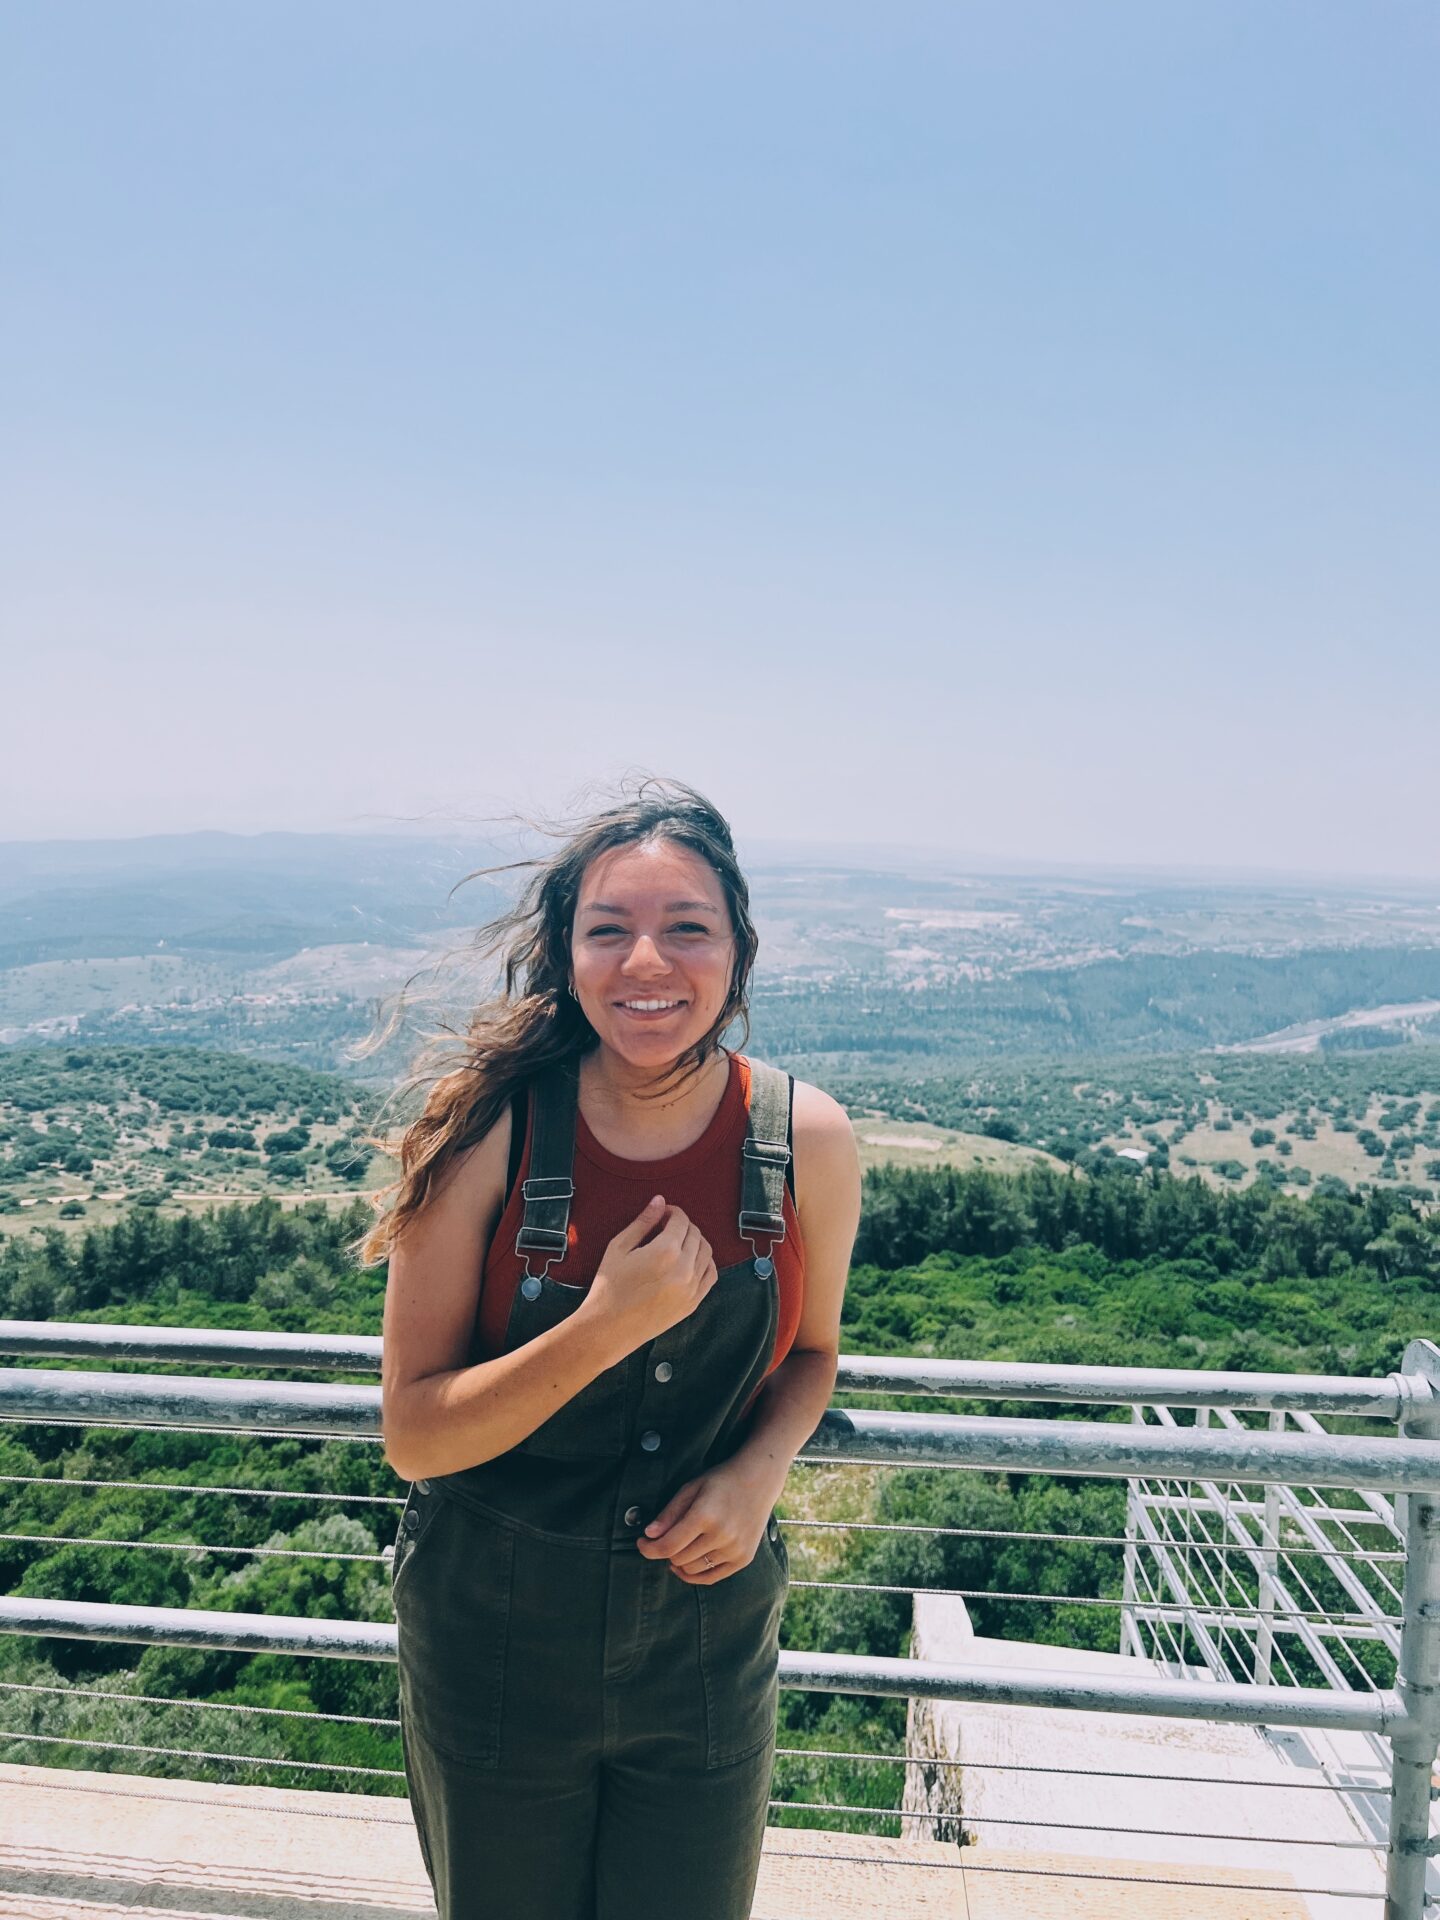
642 1291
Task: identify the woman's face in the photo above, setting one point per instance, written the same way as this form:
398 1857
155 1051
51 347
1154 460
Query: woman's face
651 926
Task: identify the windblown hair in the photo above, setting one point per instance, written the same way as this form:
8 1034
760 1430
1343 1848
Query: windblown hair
534 1021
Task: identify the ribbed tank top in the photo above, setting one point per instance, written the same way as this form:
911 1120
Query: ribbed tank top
704 1181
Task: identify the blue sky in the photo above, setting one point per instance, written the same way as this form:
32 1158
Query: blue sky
1009 427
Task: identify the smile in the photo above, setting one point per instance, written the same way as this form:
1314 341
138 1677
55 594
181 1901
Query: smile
649 1006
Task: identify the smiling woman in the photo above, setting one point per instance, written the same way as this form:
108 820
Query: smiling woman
617 1255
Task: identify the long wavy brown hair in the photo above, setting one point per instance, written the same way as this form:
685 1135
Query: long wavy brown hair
534 1021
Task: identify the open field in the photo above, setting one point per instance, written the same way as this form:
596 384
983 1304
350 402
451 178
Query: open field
1295 1120
914 1143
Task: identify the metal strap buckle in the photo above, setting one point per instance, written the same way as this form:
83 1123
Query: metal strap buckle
771 1225
767 1226
773 1153
552 1243
545 1186
547 1242
542 1240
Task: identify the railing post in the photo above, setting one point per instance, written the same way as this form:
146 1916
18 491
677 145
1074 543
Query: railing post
1269 1566
1130 1585
1412 1753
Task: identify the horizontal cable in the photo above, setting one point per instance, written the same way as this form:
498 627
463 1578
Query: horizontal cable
873 1813
846 1526
172 1426
197 1706
1147 1833
1081 1773
176 1486
961 1865
1086 1539
965 1533
196 1753
56 1784
188 1546
1096 1600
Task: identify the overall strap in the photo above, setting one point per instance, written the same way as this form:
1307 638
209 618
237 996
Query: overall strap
766 1156
549 1186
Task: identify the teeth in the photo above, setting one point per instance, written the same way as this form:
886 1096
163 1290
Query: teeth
648 1006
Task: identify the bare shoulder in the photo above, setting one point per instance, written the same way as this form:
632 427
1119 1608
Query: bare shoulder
438 1259
827 1161
827 1201
470 1189
820 1118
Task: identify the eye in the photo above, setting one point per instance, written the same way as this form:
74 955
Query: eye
595 931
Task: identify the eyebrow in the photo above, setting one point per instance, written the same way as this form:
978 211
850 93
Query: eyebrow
675 906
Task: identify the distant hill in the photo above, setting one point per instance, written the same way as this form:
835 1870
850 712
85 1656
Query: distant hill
279 945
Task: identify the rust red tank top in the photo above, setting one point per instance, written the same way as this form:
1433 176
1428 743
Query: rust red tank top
704 1181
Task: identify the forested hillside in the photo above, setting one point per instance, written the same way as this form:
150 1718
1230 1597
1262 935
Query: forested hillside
85 1131
1150 1003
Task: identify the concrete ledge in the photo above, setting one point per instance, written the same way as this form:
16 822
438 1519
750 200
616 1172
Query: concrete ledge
110 1846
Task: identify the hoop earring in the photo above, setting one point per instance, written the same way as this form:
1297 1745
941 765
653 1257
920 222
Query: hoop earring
573 995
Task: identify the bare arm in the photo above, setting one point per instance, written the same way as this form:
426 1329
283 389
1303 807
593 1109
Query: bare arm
440 1415
789 1405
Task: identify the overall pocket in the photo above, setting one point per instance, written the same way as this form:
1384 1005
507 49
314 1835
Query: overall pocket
452 1609
740 1652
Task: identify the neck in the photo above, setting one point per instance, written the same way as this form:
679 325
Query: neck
626 1093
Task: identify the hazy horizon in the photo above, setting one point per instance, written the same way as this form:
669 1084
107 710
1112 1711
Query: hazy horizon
785 848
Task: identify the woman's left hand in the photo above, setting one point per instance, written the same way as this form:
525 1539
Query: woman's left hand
718 1519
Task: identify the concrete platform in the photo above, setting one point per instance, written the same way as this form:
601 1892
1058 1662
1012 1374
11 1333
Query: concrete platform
107 1846
1231 1805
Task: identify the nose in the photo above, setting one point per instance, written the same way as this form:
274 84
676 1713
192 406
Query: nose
644 957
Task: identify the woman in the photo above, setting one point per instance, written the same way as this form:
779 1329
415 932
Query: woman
617 1255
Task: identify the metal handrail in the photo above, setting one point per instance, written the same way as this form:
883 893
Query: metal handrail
1108 1448
1386 1399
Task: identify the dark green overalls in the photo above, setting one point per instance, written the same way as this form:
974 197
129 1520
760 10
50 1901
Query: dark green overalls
587 1736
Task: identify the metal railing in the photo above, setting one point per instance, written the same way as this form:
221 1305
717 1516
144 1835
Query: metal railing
1267 1571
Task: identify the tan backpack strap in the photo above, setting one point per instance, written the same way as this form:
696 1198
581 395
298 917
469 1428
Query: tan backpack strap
766 1155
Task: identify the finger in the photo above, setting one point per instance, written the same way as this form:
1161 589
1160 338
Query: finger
703 1576
672 1234
677 1505
699 1569
632 1235
678 1541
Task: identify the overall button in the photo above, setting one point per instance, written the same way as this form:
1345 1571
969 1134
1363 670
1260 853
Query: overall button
632 1516
664 1371
422 1486
412 1519
531 1287
650 1441
774 1529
